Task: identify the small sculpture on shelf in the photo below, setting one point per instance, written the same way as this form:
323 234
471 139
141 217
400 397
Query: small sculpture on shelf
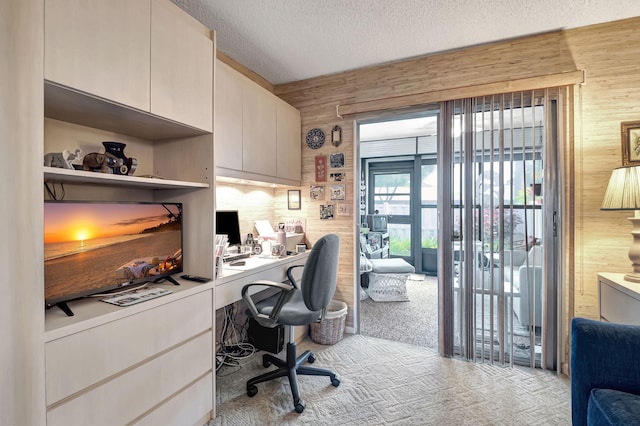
101 162
117 150
111 161
63 160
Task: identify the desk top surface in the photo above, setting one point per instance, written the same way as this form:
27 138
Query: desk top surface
257 263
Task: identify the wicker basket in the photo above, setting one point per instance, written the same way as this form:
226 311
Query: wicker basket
331 329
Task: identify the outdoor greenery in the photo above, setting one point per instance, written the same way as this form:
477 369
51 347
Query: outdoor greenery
400 247
430 242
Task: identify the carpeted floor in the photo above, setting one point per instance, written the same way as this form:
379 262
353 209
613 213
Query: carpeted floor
414 321
392 383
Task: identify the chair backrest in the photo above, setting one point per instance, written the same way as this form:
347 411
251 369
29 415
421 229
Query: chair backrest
320 273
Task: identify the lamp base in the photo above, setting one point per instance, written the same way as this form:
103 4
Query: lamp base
633 277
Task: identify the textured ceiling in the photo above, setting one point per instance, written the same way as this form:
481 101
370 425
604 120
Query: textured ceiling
290 40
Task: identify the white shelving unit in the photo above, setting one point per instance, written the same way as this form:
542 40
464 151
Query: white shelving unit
136 371
57 175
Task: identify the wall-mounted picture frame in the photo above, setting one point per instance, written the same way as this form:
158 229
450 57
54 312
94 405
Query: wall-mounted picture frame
321 168
293 199
337 177
342 209
336 136
316 192
336 160
326 212
630 132
338 191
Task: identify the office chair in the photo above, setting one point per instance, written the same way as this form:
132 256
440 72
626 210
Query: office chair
297 304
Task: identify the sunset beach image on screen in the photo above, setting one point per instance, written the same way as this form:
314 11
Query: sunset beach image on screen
93 247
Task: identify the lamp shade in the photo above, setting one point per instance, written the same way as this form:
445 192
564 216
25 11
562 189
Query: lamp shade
623 191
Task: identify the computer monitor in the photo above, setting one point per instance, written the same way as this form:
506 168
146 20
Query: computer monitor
227 223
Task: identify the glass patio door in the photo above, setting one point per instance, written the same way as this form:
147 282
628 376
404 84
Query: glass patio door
391 194
499 193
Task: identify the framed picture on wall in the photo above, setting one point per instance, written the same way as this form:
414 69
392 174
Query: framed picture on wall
337 160
326 211
321 168
338 191
342 209
337 177
316 192
630 131
293 199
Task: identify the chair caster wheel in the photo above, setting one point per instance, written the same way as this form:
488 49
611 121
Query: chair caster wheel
252 390
335 382
300 407
311 359
266 364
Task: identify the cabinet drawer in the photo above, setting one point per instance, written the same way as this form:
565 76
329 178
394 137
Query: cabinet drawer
192 406
126 397
77 361
617 306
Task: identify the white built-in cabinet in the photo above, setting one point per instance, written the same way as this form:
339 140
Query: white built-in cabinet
141 72
132 53
258 135
146 365
289 149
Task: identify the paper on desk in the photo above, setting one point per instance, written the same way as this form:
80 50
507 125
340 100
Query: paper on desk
264 228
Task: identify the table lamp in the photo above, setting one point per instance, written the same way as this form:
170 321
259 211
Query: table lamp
623 193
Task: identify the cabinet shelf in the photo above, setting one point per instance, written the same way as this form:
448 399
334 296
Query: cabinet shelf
74 106
58 175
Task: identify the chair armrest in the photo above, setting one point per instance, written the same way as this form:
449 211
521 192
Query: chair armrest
292 280
603 355
285 292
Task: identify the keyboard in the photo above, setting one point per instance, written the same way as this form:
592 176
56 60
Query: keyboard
233 257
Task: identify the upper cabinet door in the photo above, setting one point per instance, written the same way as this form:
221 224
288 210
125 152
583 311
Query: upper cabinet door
258 130
182 54
289 149
228 117
100 47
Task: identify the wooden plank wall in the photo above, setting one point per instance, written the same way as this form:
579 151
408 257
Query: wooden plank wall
608 54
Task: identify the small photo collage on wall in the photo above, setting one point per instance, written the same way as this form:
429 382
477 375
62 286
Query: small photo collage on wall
329 185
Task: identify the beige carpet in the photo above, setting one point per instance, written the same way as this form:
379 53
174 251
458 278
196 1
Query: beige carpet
414 321
392 383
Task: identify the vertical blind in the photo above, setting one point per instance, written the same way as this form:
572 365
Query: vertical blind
496 172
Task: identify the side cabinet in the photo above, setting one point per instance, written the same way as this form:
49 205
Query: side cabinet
258 135
619 299
144 368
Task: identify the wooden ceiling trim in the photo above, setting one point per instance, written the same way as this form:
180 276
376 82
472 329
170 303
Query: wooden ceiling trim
529 83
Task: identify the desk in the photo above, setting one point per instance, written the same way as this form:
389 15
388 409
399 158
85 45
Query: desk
229 283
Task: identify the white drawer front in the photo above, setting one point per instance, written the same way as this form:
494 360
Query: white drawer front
617 306
128 396
193 406
77 361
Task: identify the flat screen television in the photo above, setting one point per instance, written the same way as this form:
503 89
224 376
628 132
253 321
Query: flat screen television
97 247
377 222
228 223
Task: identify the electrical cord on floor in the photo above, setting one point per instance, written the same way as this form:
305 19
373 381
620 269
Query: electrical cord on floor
234 350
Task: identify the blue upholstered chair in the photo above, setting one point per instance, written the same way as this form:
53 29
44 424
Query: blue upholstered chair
297 304
605 373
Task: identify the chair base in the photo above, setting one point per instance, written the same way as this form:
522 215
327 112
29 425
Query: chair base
290 367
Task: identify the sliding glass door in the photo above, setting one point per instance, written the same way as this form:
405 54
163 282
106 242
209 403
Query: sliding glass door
499 202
